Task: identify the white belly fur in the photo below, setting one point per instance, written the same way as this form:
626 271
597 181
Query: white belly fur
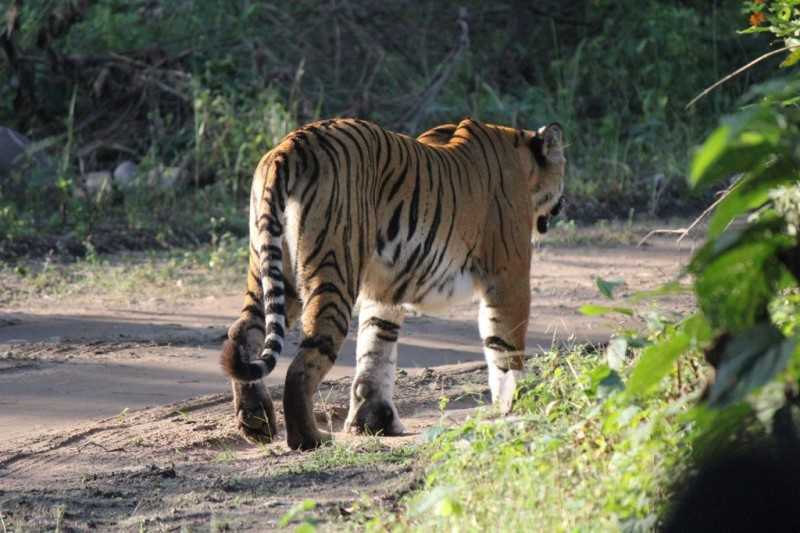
460 289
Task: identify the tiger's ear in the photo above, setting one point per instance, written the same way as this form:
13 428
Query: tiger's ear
552 142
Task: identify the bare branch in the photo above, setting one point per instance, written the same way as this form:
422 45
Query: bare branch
415 114
683 232
736 73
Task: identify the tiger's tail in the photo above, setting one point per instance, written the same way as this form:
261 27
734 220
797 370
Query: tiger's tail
267 232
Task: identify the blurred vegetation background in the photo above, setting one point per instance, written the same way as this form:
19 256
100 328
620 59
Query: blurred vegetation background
194 92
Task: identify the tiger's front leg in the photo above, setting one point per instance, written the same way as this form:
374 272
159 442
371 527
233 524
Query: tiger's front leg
372 408
503 324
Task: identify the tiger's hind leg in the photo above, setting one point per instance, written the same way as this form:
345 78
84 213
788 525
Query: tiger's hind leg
252 405
372 408
325 321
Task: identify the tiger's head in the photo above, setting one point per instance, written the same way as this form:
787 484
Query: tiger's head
545 152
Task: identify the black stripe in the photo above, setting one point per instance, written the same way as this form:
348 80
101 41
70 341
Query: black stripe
280 183
501 177
341 323
273 346
436 263
380 323
382 175
277 329
497 344
276 309
400 292
275 253
403 174
480 144
328 260
394 223
411 261
413 209
386 337
380 243
275 273
322 343
270 362
326 288
274 292
502 225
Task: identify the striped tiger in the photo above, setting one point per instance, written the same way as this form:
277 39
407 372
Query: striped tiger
343 210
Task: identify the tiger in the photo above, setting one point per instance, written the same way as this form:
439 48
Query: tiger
341 211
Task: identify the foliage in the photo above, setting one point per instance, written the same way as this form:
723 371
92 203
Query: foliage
573 457
746 274
207 87
129 276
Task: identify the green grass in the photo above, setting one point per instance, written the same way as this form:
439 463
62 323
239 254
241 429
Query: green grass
366 452
567 460
130 276
612 233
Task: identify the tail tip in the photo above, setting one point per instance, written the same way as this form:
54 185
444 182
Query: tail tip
242 369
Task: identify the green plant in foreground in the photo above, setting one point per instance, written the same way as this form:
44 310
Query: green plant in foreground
574 456
747 273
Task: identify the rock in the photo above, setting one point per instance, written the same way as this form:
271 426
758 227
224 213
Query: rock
125 175
166 178
97 185
13 149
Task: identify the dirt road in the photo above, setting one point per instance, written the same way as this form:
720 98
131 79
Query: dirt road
118 417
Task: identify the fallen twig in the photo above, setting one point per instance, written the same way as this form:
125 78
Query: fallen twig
683 232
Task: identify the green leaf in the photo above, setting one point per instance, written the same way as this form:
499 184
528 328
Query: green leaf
738 274
712 150
656 362
607 287
615 353
448 507
752 192
740 144
305 527
598 310
791 59
714 427
604 381
657 359
298 509
750 359
669 288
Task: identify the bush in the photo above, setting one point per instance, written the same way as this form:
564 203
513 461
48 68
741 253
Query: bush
209 86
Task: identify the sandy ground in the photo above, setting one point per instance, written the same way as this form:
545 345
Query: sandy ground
118 417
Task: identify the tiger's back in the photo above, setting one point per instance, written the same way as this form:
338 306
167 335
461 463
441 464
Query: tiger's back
343 210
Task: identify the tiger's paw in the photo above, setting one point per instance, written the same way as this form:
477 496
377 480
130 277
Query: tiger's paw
374 417
503 384
255 415
307 440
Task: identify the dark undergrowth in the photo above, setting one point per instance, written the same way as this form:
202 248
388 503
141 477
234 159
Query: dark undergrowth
203 89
